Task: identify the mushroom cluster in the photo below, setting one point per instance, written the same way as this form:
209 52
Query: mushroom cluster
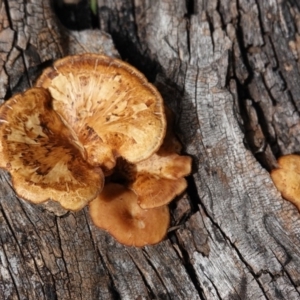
94 131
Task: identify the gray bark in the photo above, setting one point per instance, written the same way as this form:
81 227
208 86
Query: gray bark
230 71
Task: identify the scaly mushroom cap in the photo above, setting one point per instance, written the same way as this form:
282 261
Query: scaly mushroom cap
108 103
117 211
287 178
42 155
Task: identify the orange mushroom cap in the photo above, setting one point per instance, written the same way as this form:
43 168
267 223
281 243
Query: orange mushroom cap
117 211
154 191
158 179
42 155
110 100
287 178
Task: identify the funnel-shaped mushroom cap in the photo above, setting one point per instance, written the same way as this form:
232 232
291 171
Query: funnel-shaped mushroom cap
105 96
287 178
117 211
41 154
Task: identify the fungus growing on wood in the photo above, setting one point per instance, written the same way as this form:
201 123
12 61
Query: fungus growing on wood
287 178
109 104
158 179
117 211
42 155
92 116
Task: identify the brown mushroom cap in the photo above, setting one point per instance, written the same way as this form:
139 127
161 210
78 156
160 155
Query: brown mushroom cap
154 191
172 166
159 179
117 211
42 155
107 101
287 178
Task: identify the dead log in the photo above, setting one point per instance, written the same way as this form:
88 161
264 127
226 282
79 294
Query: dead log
230 72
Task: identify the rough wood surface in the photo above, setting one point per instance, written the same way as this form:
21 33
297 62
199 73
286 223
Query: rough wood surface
230 71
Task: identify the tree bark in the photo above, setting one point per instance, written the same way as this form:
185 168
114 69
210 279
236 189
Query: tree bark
230 72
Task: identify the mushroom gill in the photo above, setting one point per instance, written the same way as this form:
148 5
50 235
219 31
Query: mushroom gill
107 103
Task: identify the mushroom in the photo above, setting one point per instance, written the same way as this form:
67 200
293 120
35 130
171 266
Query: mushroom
92 116
117 211
158 179
287 178
42 155
154 191
109 105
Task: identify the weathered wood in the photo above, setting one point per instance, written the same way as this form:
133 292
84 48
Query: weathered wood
230 71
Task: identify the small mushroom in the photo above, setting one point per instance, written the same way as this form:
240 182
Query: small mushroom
154 191
160 177
287 178
42 155
117 211
110 105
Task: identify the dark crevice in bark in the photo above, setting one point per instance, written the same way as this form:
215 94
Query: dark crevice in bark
130 53
259 154
31 75
8 14
188 36
242 260
90 232
191 10
178 223
261 26
146 255
20 245
225 237
75 16
113 289
194 198
294 3
284 271
135 25
191 7
26 69
268 222
4 252
62 252
12 232
216 289
243 94
9 92
149 289
186 260
126 40
50 292
101 260
210 23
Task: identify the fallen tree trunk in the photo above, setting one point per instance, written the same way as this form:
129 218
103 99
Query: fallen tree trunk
230 72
